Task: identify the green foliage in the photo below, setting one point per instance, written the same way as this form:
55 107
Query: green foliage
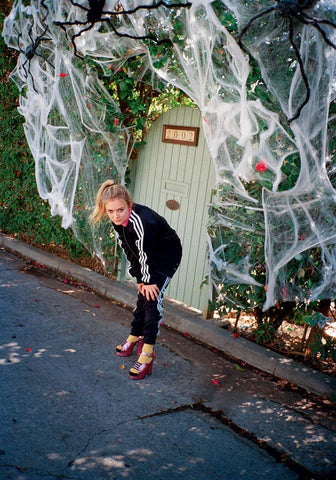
290 169
315 318
239 242
225 16
323 346
140 104
22 212
265 332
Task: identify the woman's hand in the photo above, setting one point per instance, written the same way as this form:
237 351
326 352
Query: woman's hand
151 292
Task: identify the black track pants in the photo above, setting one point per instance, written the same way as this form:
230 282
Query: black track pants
148 315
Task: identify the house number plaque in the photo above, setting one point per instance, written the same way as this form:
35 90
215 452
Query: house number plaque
180 135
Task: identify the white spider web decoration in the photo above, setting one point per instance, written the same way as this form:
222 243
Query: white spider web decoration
69 121
303 217
68 116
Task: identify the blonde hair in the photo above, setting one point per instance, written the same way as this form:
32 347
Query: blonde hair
109 190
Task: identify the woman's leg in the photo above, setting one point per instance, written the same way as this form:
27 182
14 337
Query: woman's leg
137 325
153 311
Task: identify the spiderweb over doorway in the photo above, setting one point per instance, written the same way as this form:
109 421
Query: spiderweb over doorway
77 143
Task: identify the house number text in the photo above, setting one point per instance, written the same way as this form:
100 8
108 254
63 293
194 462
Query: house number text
180 135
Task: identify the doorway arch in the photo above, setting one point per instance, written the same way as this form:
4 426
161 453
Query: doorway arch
176 180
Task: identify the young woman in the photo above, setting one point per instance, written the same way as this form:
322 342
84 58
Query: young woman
154 252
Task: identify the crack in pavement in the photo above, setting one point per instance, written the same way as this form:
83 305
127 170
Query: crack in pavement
279 455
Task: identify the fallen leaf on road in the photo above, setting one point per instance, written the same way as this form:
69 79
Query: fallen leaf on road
216 382
282 382
327 402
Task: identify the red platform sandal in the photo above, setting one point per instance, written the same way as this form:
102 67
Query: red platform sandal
142 369
126 349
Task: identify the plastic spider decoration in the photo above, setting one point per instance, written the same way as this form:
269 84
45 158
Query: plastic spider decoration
295 10
96 13
31 51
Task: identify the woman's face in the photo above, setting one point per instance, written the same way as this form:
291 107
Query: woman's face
117 210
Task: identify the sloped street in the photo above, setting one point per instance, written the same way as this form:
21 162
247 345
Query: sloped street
68 409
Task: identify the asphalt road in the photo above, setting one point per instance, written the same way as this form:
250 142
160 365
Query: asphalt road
69 411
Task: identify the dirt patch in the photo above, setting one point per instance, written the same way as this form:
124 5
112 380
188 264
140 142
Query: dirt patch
289 339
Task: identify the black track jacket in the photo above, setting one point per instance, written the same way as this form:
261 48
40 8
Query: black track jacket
152 247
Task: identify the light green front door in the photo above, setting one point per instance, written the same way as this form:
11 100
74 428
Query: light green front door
167 172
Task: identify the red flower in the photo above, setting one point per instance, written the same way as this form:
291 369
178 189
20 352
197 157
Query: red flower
261 166
116 121
63 75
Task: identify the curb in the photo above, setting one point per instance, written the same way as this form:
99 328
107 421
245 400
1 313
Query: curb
185 321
